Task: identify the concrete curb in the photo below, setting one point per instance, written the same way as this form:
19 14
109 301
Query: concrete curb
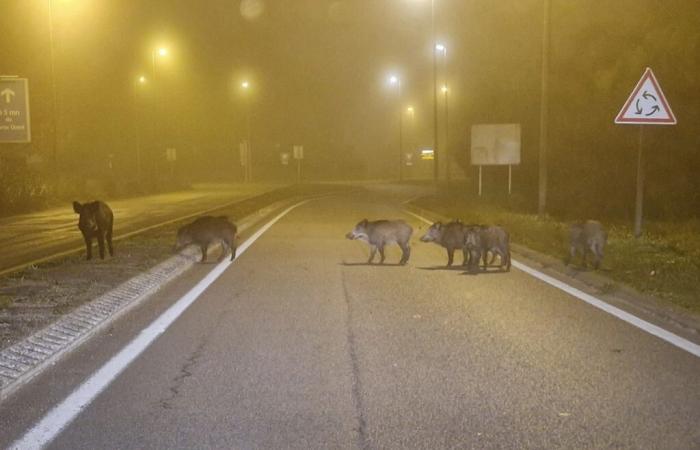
26 359
599 285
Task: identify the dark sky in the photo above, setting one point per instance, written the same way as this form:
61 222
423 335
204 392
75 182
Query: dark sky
319 68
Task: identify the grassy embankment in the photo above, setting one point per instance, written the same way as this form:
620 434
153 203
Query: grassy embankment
664 262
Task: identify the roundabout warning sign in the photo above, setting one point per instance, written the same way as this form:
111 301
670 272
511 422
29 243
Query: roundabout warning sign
647 104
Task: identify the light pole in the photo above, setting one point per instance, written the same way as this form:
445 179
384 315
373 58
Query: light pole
443 49
141 81
245 85
162 52
394 80
544 112
54 89
445 92
435 88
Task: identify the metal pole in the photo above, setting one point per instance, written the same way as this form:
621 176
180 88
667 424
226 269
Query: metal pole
435 105
154 116
250 145
479 180
400 135
510 179
54 89
640 188
447 124
544 113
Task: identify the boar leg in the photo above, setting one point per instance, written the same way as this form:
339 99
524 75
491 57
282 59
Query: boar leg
109 242
467 256
450 256
381 254
406 253
101 244
372 252
88 246
204 252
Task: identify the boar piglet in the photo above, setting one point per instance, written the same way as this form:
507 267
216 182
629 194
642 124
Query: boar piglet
207 230
96 221
379 233
587 237
451 236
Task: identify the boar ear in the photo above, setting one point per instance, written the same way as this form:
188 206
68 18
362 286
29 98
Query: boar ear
438 225
364 221
77 207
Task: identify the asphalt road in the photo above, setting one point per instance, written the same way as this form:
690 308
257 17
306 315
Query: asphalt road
299 344
29 237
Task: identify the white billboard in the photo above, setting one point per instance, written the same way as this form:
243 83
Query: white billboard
495 144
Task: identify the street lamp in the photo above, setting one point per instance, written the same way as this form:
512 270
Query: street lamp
245 86
156 52
54 94
142 80
396 81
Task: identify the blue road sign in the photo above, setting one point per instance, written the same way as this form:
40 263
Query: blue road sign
14 110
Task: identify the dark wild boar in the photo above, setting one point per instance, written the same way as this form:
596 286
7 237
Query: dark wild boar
452 236
480 240
587 237
207 230
96 221
379 233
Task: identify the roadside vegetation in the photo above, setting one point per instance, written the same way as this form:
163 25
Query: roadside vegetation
664 262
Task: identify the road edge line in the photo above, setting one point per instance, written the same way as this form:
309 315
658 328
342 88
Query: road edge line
60 416
631 319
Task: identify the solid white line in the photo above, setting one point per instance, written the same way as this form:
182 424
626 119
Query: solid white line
63 414
650 328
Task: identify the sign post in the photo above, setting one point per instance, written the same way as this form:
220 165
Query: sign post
299 155
14 110
496 145
646 105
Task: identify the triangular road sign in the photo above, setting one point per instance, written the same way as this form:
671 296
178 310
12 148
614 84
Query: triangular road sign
647 104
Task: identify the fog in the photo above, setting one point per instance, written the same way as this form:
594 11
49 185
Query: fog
317 73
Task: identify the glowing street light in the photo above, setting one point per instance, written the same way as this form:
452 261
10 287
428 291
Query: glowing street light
394 80
245 85
162 51
410 110
142 80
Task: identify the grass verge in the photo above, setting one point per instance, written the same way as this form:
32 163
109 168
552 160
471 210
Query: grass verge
664 262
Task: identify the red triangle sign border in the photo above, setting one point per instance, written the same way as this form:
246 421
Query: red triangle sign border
670 120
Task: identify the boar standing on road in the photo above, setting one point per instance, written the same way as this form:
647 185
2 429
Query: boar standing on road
589 236
379 233
452 236
483 239
208 230
96 220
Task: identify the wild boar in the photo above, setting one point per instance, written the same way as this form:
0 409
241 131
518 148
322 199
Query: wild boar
587 237
379 233
207 230
96 220
451 236
483 239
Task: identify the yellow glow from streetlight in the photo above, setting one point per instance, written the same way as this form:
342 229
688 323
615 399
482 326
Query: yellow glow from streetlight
142 79
444 88
245 84
410 110
163 51
440 47
393 79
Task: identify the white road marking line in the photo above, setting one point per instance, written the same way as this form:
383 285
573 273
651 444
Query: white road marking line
63 414
650 328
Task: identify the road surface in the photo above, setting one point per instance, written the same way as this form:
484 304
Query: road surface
29 237
299 344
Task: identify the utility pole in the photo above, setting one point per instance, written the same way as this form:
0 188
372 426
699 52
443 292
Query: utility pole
544 112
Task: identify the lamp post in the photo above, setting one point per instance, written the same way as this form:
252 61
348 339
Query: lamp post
443 49
141 81
445 92
394 80
245 86
155 53
435 88
54 88
544 112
